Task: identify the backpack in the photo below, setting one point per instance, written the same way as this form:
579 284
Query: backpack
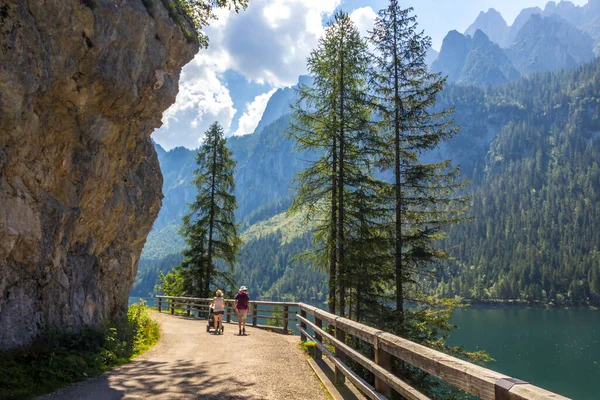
242 298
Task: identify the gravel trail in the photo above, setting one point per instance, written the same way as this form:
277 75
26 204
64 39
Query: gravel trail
189 363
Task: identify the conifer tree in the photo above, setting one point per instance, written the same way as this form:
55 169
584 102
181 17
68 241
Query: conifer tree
421 194
331 119
209 228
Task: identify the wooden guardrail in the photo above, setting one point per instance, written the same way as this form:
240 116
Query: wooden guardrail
476 380
276 312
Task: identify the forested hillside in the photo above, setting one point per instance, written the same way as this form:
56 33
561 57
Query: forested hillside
530 149
536 211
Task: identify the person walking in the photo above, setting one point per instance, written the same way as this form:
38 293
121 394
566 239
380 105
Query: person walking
241 307
218 306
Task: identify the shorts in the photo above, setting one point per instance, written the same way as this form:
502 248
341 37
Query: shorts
242 313
219 312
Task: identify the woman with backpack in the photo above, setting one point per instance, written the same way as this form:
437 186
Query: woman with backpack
241 307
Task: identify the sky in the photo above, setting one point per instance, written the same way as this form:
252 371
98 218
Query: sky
261 49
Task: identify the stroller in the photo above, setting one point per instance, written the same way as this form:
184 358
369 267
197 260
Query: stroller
211 321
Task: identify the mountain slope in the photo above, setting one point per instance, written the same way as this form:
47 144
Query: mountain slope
536 210
549 44
492 24
474 60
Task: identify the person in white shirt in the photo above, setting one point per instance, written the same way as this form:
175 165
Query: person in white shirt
218 306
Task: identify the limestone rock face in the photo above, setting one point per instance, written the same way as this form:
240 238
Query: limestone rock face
83 83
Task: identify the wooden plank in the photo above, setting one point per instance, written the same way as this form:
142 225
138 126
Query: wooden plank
379 371
285 319
302 318
254 306
356 380
469 377
358 330
530 392
275 318
319 328
277 303
384 360
340 335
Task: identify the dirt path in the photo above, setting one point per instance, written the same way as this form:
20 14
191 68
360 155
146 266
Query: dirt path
189 363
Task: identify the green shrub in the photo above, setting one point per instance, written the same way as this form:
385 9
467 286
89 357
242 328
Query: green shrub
57 359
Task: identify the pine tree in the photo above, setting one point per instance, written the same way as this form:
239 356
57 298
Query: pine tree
332 118
421 194
209 228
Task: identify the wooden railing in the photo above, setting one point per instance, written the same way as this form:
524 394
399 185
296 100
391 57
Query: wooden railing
275 312
478 381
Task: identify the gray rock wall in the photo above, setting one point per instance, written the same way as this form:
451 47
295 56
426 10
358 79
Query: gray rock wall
83 83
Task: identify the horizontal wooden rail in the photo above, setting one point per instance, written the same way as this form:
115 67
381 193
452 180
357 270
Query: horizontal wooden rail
351 375
476 380
393 381
271 310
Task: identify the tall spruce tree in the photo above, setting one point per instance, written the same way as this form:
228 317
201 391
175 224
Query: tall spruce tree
209 228
421 195
331 118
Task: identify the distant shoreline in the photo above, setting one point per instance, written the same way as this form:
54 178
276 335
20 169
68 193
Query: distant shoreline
538 304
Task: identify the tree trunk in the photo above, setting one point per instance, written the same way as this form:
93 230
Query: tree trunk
211 220
398 241
341 266
333 250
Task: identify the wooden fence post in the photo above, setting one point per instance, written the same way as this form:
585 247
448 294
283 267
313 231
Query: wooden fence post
227 312
303 326
188 309
285 318
318 354
254 313
160 304
384 360
172 306
341 336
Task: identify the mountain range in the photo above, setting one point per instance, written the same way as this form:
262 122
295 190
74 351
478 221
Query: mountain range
490 52
528 143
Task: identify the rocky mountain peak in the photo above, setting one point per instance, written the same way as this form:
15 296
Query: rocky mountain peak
550 43
492 24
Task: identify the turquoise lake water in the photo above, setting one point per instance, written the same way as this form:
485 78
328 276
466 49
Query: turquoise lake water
557 349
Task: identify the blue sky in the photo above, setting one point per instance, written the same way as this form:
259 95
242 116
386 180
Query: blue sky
253 53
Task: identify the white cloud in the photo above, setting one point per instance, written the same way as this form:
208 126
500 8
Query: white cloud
254 111
364 18
267 43
270 41
202 100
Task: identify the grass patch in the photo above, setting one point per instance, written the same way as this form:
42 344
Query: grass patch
56 359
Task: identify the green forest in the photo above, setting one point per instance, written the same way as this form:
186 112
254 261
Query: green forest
529 150
536 196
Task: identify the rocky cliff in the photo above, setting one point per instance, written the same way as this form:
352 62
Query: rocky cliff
83 83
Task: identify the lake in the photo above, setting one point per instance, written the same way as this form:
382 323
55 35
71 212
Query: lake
557 349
